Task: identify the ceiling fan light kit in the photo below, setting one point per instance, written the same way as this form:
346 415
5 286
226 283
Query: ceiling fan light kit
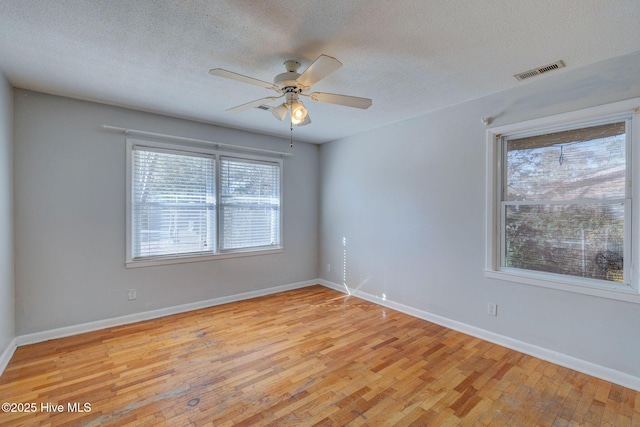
280 112
291 85
298 112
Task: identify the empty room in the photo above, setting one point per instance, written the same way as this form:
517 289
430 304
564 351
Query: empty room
331 213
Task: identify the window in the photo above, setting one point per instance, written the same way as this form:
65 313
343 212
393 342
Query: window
173 204
560 201
189 204
249 204
564 201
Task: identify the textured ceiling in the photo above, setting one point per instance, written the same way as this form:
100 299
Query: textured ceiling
409 56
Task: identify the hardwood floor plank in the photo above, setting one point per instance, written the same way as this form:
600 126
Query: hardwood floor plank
305 357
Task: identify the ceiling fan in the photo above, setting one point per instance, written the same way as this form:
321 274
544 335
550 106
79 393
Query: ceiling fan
292 85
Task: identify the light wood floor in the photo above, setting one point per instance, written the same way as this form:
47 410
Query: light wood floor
301 358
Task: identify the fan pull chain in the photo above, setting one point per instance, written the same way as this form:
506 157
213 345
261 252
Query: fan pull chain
291 126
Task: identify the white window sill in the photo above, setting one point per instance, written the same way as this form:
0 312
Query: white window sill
199 258
568 284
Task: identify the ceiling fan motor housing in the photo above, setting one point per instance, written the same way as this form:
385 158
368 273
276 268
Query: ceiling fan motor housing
289 79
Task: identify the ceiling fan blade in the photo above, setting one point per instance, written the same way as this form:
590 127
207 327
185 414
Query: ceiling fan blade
321 68
219 72
252 104
280 112
348 101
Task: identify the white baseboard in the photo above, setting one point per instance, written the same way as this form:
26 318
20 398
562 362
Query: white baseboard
66 331
7 354
561 359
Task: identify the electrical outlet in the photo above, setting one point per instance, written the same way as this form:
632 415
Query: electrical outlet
328 267
492 309
132 294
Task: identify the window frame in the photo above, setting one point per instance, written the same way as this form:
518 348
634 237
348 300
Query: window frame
495 167
216 154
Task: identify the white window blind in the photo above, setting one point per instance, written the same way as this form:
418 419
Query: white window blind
564 202
173 203
249 204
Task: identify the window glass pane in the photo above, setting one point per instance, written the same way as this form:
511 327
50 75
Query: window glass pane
249 203
173 203
587 163
583 240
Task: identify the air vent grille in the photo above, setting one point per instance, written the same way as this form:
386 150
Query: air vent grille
540 70
264 107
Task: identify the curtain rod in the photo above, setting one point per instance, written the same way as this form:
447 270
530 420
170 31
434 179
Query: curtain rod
135 132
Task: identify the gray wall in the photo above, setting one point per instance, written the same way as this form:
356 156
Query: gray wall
69 178
410 200
7 300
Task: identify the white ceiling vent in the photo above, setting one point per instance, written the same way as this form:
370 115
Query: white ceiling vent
540 70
